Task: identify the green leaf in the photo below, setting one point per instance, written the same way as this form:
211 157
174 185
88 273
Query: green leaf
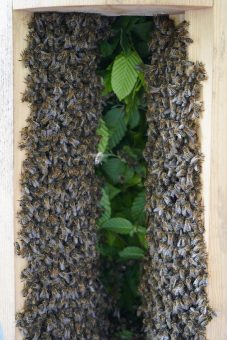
114 168
118 225
111 190
107 83
134 118
124 73
142 46
135 180
107 251
132 105
124 41
130 152
141 170
125 22
106 208
117 133
107 48
103 132
112 116
141 230
110 238
115 122
132 253
138 208
143 240
124 335
143 30
129 173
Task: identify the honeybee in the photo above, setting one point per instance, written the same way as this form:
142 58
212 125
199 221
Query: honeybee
173 138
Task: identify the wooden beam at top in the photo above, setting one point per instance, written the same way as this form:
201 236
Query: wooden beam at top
113 7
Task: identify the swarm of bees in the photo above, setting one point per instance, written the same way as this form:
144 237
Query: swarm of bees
63 296
173 288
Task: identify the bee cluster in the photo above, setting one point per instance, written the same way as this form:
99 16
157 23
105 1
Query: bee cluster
64 298
173 288
60 192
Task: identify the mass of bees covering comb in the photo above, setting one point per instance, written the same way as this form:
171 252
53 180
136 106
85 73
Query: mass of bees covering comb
63 296
173 288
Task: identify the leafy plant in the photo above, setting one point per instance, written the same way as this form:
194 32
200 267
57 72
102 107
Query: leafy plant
125 73
131 253
122 133
114 120
118 225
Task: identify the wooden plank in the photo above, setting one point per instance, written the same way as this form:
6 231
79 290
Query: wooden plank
218 185
7 298
208 36
21 112
113 7
200 30
209 30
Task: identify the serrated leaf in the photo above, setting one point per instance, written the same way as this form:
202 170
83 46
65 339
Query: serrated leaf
124 41
111 190
114 168
134 118
124 73
106 208
135 180
107 83
104 133
132 253
118 225
115 122
130 152
117 133
137 210
132 105
112 116
129 173
141 230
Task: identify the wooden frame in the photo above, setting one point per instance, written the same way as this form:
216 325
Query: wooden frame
209 32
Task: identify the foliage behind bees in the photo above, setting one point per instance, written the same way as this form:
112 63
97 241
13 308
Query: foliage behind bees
122 134
63 202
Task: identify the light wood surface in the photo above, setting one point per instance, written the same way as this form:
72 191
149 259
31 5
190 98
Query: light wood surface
201 31
7 291
209 28
21 112
217 248
113 7
209 32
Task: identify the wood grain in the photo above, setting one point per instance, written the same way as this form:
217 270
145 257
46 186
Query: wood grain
201 31
113 7
217 250
21 112
210 30
7 292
